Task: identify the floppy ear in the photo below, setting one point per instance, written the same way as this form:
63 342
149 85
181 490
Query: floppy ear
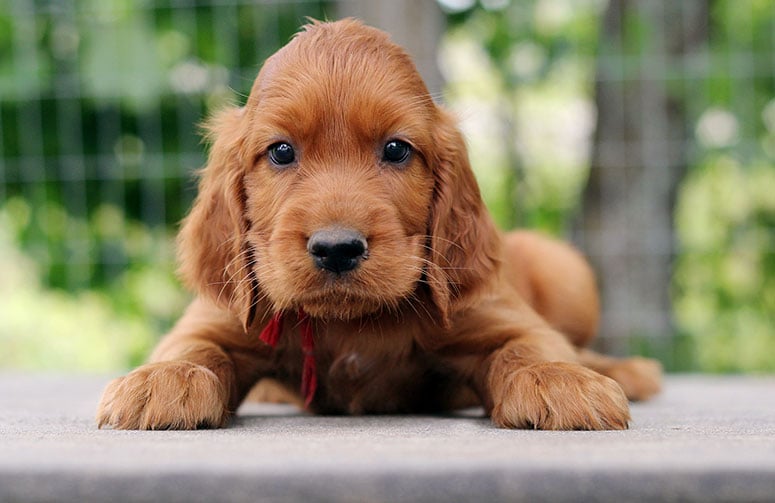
464 241
215 260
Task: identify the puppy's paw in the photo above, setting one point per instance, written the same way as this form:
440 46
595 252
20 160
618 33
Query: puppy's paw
165 395
560 396
640 378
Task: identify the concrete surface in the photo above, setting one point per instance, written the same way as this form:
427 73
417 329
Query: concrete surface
703 439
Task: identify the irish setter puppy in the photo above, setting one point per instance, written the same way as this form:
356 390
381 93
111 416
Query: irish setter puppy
339 246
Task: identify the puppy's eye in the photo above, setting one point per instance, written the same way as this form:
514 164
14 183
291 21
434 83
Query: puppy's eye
396 152
282 154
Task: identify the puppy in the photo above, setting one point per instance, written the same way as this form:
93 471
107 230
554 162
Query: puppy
339 246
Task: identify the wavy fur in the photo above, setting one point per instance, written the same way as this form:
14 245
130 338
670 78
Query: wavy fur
443 311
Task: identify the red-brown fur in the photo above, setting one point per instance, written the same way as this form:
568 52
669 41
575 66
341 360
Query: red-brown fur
445 311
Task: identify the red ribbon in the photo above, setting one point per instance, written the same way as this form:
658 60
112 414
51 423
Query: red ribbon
309 375
271 332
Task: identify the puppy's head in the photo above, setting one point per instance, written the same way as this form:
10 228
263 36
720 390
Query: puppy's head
338 189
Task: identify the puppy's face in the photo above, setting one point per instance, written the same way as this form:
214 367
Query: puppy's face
338 195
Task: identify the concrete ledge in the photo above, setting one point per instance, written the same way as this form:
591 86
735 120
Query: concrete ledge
703 439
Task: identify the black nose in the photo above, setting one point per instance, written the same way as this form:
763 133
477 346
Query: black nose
337 250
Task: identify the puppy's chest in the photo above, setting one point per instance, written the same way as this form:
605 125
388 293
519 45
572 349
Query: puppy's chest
359 369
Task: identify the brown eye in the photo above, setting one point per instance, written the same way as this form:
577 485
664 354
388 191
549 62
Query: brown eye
396 152
282 154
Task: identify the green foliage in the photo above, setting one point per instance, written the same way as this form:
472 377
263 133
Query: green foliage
524 71
724 281
725 286
96 330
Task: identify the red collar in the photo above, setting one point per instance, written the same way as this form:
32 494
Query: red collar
309 377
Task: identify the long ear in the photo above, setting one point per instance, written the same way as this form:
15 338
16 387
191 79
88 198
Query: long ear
464 241
215 260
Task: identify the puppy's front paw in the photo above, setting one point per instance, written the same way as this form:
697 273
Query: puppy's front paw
559 396
165 395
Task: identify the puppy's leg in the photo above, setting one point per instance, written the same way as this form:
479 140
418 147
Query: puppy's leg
640 378
197 377
551 392
528 375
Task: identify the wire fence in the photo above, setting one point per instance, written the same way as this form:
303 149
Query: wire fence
100 102
99 106
685 93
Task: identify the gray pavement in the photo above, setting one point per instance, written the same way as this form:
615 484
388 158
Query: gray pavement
703 439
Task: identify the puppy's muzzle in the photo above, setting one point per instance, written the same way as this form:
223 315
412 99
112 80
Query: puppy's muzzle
337 250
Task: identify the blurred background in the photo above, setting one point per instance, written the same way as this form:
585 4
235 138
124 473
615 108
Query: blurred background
642 130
